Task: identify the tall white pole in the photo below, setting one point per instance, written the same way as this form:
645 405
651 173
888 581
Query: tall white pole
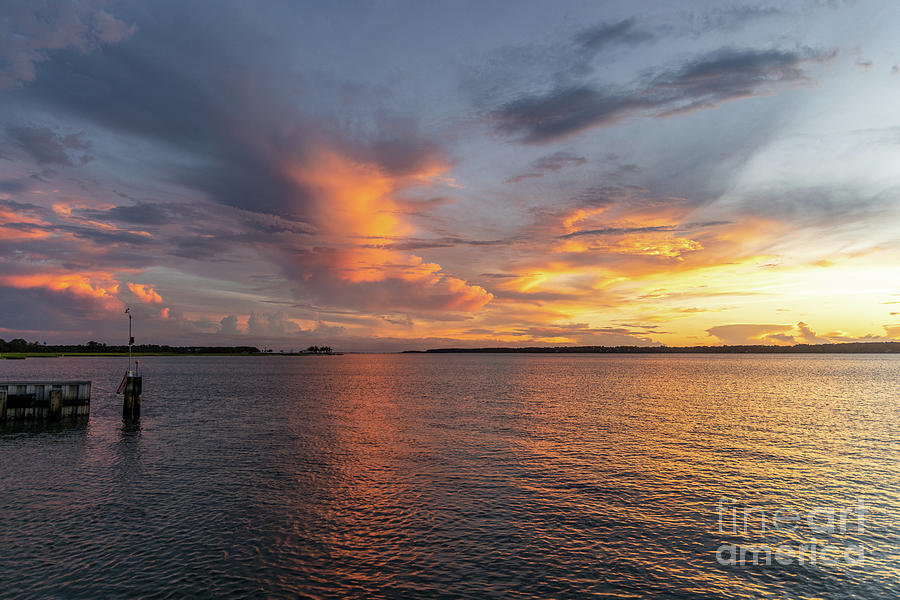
130 341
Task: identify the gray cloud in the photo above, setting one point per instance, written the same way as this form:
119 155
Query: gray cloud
270 325
445 242
48 147
229 325
648 229
604 35
549 164
29 31
732 18
140 213
11 186
618 231
705 82
39 309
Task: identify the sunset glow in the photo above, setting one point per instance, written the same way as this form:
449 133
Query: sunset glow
718 175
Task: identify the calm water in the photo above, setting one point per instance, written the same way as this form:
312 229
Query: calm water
459 476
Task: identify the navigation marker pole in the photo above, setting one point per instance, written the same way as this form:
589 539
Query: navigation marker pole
131 384
130 339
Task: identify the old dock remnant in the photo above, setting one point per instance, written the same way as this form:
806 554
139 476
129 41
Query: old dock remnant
47 400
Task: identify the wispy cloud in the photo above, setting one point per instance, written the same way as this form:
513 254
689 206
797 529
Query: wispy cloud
707 81
549 164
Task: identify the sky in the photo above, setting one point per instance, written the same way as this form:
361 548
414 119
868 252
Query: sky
381 176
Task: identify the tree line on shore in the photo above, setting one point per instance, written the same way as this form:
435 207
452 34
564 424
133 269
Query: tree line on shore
22 346
841 348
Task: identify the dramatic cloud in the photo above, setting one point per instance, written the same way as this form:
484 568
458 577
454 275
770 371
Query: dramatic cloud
99 285
705 82
257 178
350 262
145 293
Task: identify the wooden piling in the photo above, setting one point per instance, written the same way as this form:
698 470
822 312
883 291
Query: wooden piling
2 405
131 407
55 412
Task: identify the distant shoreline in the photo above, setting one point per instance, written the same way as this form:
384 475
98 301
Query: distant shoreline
844 348
21 355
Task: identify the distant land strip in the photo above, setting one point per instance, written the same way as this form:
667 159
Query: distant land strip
33 348
19 348
842 348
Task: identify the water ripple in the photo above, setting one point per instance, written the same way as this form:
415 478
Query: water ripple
392 476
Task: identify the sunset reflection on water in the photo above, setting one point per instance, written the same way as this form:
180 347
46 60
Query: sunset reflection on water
457 476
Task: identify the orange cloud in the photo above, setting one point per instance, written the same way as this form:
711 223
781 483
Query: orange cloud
357 216
98 285
145 293
15 226
643 244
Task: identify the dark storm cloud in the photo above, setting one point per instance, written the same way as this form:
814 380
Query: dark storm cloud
195 91
136 88
48 147
549 164
705 82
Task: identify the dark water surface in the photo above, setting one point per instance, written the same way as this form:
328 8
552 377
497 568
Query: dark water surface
514 476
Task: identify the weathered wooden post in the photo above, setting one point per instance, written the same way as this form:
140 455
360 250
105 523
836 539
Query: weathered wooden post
55 412
2 405
131 408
